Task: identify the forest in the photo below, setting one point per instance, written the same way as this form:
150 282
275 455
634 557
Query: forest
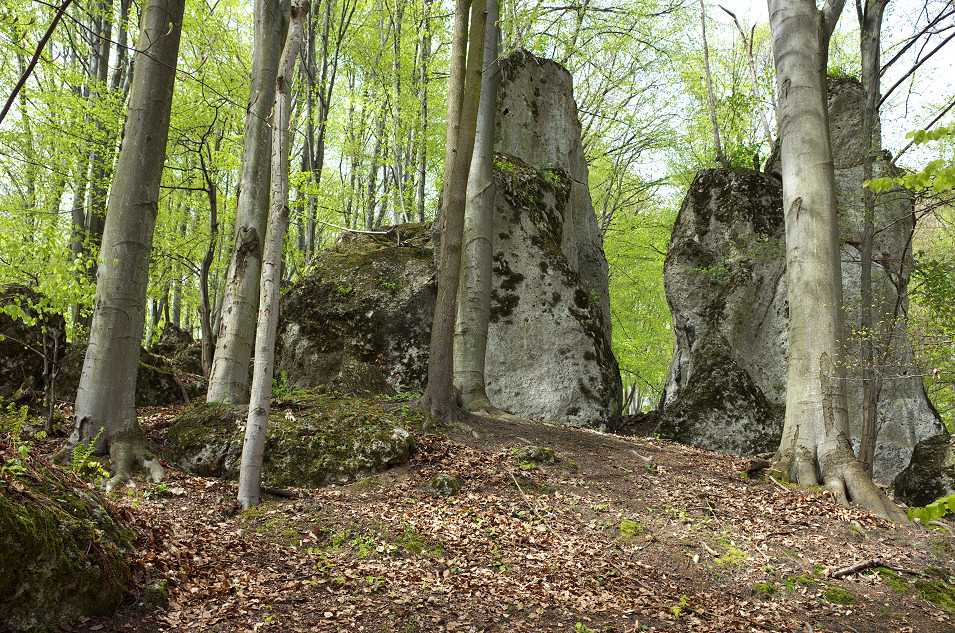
176 168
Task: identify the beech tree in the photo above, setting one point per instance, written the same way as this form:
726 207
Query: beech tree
815 445
106 397
229 380
463 95
250 470
474 301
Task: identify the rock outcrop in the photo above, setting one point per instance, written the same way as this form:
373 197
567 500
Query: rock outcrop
25 336
312 440
362 320
63 550
726 286
157 383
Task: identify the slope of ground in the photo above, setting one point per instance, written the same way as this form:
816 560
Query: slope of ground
616 535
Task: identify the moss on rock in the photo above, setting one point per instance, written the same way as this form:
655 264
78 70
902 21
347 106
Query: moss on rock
313 440
63 550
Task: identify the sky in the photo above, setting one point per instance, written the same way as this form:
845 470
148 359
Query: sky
906 109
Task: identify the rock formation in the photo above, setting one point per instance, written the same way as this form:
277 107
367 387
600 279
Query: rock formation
362 321
313 440
726 285
64 550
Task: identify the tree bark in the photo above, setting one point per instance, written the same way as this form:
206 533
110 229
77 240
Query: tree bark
474 300
229 380
463 95
870 42
815 443
105 400
250 470
711 100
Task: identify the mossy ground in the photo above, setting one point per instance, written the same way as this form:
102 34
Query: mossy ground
64 551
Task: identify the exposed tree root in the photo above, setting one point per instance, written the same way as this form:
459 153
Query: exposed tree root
842 475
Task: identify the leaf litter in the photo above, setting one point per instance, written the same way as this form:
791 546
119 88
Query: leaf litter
619 535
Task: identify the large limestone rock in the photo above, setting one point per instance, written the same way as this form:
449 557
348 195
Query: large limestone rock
537 123
312 440
362 321
64 552
726 286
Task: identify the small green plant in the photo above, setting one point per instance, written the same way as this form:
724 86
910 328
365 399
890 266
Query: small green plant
80 462
764 590
390 285
933 511
580 627
347 290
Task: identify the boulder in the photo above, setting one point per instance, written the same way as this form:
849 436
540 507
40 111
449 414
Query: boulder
157 384
930 475
362 320
726 285
63 551
312 441
22 332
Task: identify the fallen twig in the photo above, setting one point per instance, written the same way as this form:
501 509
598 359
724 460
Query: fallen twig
858 567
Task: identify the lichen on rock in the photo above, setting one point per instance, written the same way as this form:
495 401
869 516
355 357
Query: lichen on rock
313 440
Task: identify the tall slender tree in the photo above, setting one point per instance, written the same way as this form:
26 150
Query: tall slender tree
464 90
106 398
229 380
474 301
815 445
250 472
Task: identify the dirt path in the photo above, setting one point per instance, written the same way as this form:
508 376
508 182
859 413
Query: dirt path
617 535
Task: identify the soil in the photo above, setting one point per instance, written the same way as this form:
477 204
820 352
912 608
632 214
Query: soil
617 534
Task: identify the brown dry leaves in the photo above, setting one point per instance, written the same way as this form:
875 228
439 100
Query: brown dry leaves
646 536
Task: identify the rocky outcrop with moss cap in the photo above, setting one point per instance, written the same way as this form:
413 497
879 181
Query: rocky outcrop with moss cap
313 440
362 320
726 285
63 550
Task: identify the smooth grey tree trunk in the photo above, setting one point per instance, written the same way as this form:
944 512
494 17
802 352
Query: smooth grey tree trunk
474 300
463 96
250 469
106 397
229 380
815 444
870 43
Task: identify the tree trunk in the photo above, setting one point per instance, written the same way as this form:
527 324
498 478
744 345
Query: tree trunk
474 300
711 100
229 380
423 105
815 444
250 471
870 42
205 303
463 95
105 399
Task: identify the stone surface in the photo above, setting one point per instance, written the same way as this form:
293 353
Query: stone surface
312 440
21 343
362 320
726 286
63 552
537 123
156 384
444 485
930 475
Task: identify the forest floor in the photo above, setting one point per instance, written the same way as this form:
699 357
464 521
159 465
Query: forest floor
619 534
